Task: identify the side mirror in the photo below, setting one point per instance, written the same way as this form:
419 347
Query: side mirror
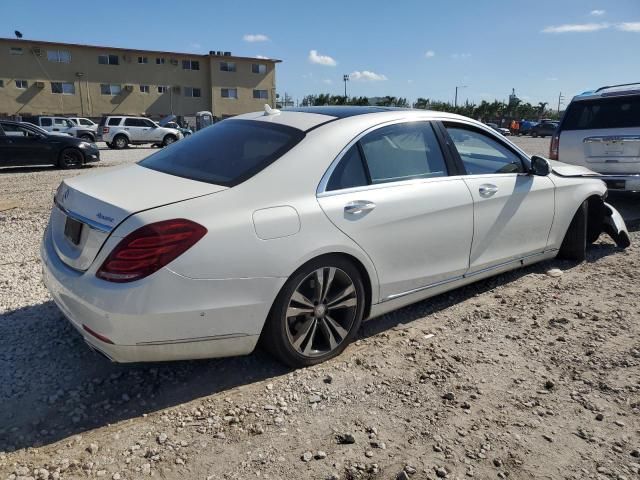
540 166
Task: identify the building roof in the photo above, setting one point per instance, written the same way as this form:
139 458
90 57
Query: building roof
17 41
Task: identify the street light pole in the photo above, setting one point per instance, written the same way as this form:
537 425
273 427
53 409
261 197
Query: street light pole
455 101
345 79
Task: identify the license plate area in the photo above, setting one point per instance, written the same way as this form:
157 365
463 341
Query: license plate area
73 230
615 184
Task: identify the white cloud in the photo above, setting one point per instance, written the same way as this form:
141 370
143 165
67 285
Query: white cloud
597 13
575 28
629 26
326 60
328 81
255 37
429 54
367 76
195 46
262 57
410 80
458 56
552 79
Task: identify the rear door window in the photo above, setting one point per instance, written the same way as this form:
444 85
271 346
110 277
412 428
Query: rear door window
226 153
403 151
618 112
45 122
350 172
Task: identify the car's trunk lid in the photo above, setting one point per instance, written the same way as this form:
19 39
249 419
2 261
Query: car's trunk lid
88 208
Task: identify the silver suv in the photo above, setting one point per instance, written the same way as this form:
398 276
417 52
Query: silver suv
601 130
120 131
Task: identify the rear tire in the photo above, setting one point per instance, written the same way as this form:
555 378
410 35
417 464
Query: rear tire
70 158
120 142
574 245
534 134
312 321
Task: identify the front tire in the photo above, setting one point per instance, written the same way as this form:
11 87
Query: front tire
70 158
574 245
317 313
168 140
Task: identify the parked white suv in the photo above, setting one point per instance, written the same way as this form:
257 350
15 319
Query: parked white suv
85 123
601 131
120 131
63 125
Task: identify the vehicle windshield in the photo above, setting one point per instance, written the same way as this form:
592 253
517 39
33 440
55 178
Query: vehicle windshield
226 153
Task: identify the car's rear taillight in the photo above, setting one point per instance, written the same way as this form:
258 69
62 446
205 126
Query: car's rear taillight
150 248
105 129
554 146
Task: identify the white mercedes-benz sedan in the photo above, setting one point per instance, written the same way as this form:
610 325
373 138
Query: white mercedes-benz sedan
291 227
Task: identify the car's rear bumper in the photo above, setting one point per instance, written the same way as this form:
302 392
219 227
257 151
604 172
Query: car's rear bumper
161 318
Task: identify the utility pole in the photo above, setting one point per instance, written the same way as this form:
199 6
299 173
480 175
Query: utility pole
345 79
560 101
455 101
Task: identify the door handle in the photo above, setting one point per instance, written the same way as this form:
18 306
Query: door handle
359 206
487 190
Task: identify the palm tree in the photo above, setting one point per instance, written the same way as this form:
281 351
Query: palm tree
541 108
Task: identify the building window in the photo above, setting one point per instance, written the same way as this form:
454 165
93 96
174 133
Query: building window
63 88
22 84
59 56
227 67
143 59
110 89
15 50
258 68
1 83
144 88
160 61
229 93
191 92
262 94
108 59
190 64
162 88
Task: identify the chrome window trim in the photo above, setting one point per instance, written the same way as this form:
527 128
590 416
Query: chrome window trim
321 191
378 186
87 221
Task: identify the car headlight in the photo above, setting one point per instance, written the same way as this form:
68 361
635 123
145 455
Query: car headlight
86 145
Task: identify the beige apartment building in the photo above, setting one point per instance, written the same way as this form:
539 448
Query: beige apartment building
50 78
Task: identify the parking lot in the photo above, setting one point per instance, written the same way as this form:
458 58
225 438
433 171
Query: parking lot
532 374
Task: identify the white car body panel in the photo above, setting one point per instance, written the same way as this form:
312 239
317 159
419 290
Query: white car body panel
214 298
419 232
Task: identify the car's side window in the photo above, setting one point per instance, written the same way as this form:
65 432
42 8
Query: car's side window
403 151
482 154
115 121
349 172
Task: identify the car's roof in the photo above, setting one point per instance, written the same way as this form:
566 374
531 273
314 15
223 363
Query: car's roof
609 91
308 118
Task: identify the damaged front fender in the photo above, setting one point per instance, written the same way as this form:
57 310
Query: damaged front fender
614 226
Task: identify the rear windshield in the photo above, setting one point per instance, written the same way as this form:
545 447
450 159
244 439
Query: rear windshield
618 112
226 153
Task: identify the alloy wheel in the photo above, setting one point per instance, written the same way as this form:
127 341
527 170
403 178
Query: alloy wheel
321 312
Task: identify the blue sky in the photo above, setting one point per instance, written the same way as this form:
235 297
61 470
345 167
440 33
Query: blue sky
402 48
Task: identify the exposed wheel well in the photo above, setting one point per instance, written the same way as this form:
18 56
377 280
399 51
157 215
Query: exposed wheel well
595 217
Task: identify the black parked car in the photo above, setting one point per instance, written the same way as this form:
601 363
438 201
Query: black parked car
22 143
543 129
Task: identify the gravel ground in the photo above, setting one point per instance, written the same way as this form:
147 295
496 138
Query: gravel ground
532 374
